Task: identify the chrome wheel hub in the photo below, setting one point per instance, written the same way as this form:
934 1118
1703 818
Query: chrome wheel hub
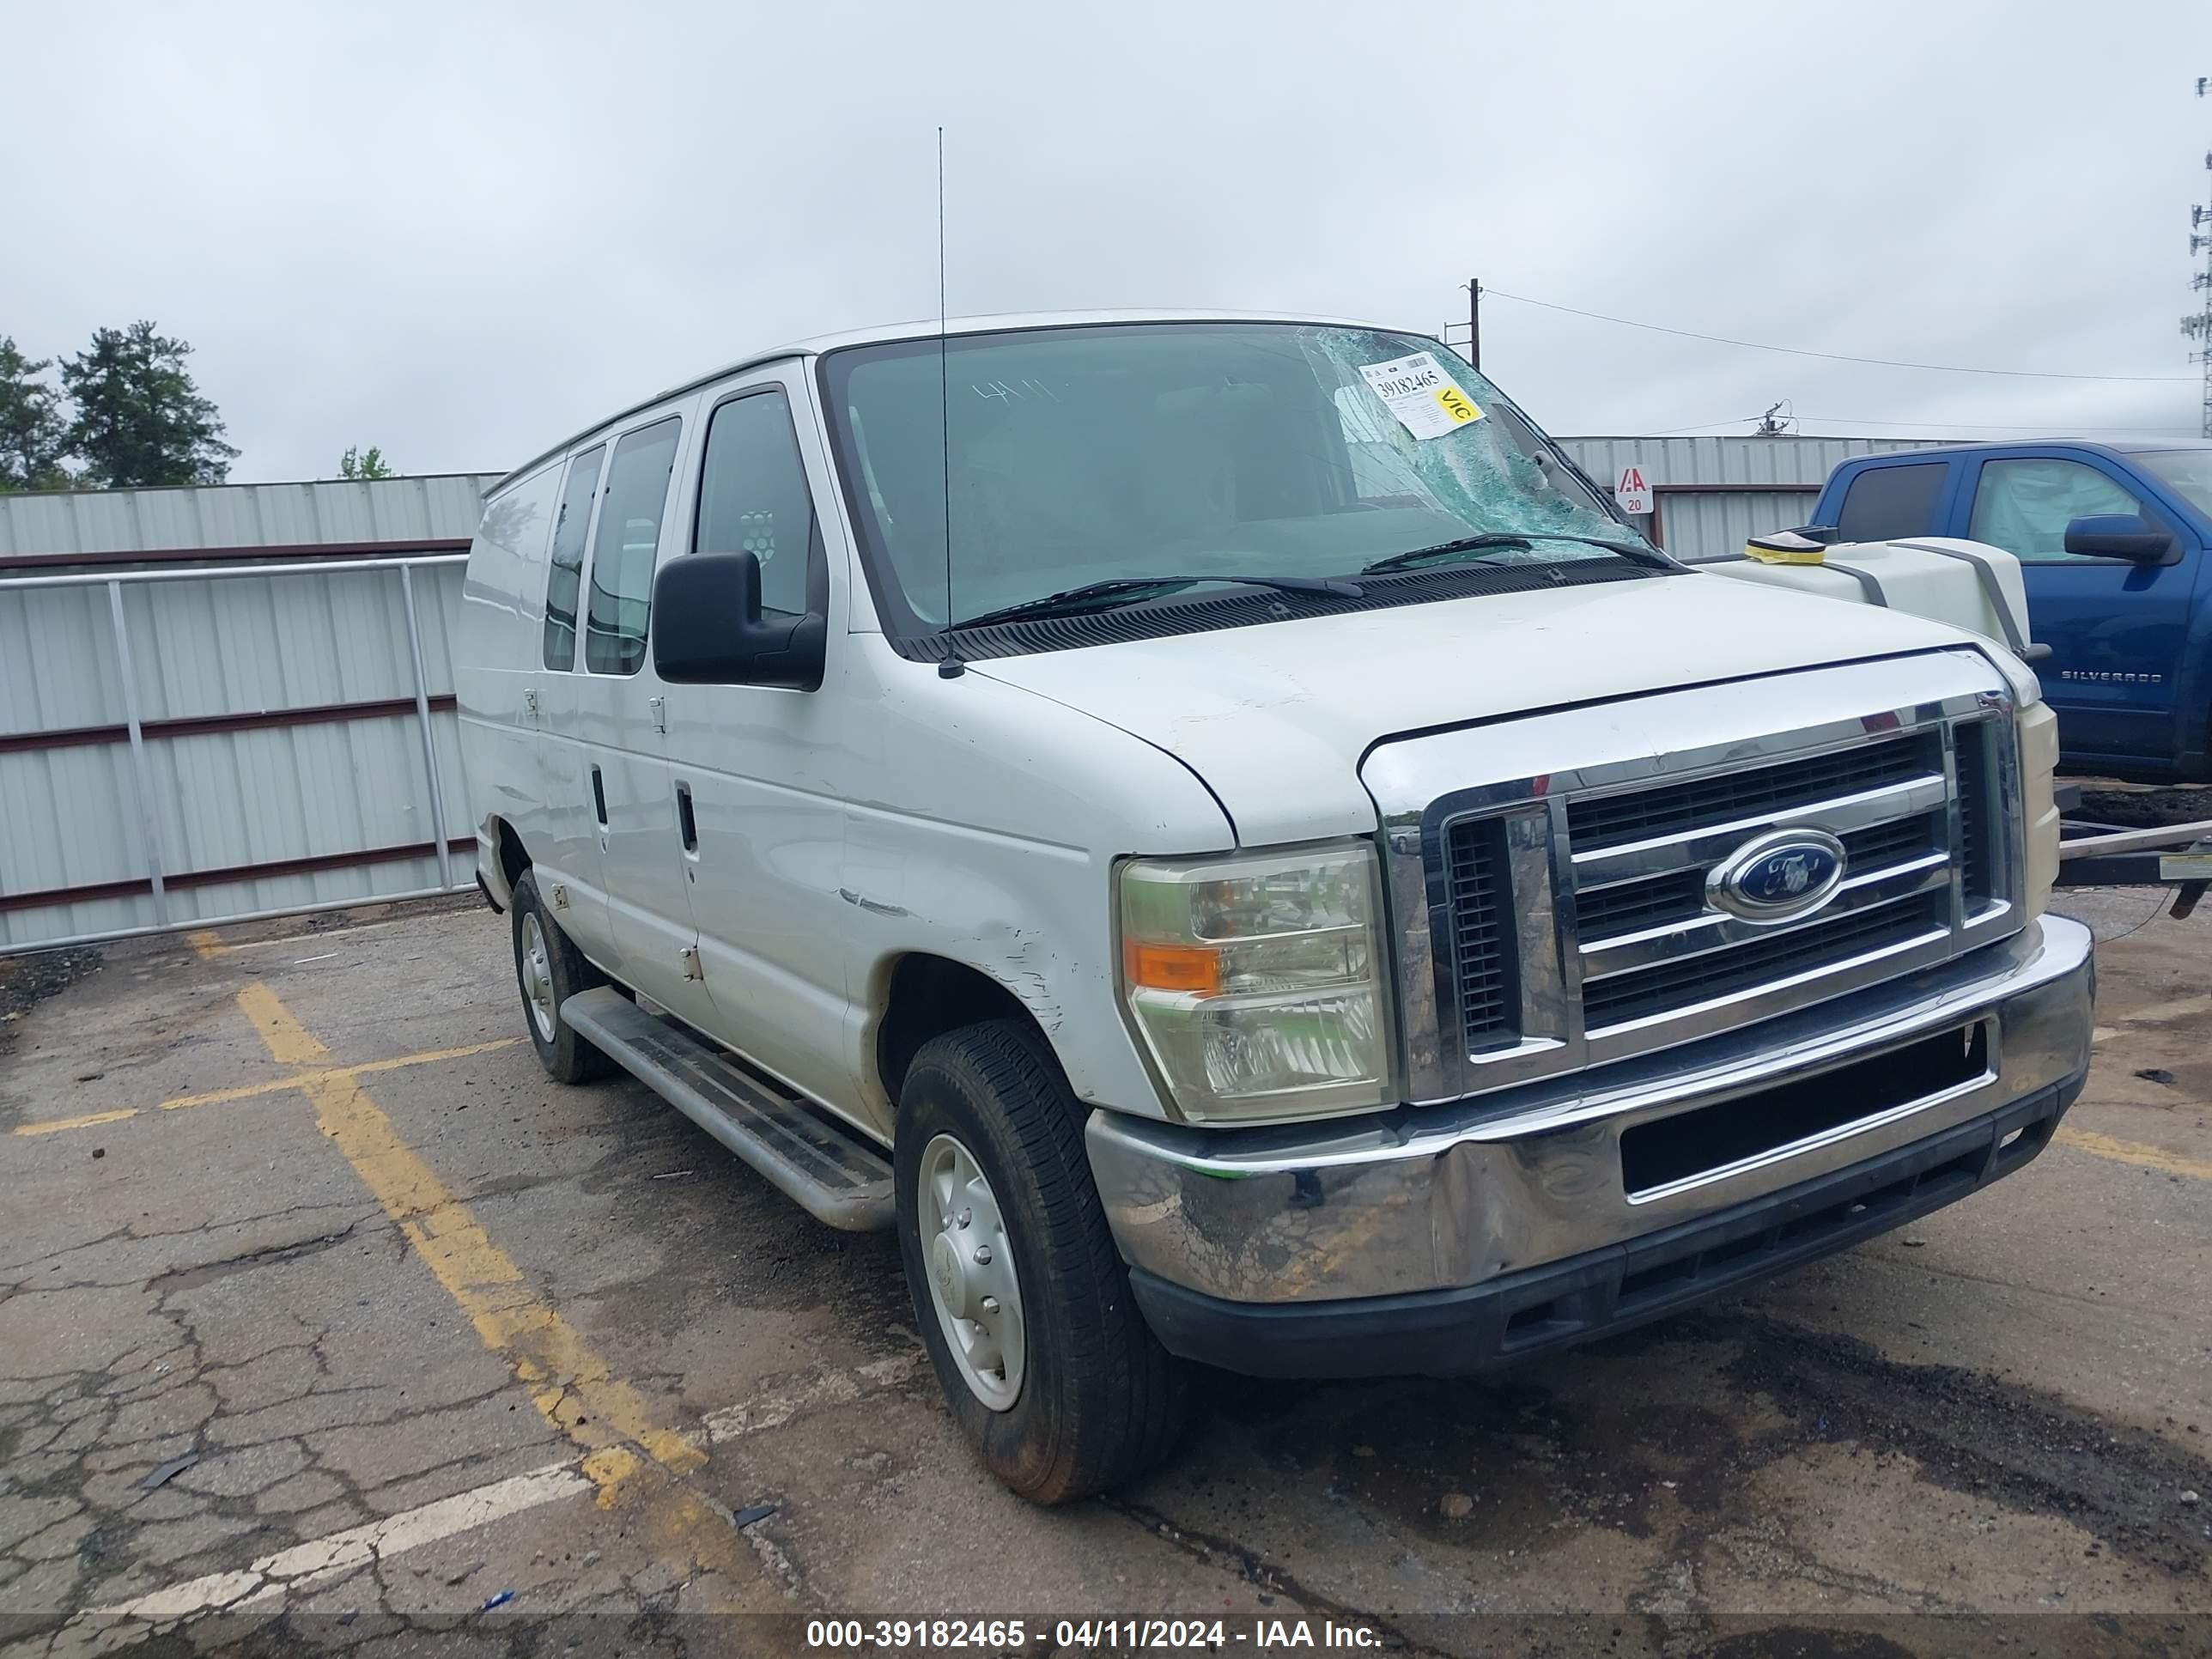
537 979
971 1263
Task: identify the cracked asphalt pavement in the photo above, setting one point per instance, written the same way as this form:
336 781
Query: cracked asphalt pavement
327 1320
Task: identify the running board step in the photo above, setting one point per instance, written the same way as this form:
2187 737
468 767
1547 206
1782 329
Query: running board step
833 1176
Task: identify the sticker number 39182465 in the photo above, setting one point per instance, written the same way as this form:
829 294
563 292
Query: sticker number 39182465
1426 400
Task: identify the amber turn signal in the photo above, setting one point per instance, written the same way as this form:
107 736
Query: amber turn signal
1171 967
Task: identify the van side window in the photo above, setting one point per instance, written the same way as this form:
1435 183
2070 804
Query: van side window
2024 505
753 498
566 575
625 548
1884 503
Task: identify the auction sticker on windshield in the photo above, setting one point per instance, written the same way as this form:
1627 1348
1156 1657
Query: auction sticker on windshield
1427 401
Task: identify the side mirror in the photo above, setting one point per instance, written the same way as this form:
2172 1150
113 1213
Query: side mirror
2120 536
707 628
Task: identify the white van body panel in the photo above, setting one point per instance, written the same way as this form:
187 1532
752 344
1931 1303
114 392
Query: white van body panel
618 724
1277 719
497 665
986 830
568 849
768 769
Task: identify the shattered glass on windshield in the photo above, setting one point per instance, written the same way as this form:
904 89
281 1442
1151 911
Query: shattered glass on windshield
1492 475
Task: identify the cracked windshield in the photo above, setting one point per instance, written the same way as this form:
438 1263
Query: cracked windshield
1194 454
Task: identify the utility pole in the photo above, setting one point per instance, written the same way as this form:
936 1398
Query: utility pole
2197 325
1474 318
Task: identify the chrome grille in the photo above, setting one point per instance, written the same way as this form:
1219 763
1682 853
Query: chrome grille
1550 875
1480 958
1975 842
1825 943
1627 906
1886 843
1608 820
1644 854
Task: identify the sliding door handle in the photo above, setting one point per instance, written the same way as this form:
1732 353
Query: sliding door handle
687 822
600 796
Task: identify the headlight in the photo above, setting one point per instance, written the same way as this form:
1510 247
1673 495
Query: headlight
1257 980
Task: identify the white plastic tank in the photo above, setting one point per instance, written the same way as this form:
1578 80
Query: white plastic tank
1942 578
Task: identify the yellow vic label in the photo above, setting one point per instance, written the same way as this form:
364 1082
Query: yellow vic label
1455 405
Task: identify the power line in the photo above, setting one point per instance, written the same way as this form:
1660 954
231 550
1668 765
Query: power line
1999 426
2068 427
1698 426
1831 356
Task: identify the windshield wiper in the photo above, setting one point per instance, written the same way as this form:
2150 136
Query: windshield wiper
1413 556
1128 590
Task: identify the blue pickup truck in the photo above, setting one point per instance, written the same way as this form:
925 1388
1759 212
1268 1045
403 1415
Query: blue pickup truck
2112 539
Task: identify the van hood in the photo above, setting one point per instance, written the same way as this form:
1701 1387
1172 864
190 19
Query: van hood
1277 718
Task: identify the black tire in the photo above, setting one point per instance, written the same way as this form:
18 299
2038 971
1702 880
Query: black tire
1101 1402
565 1055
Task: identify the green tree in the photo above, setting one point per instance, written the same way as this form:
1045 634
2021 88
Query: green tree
140 419
32 433
365 464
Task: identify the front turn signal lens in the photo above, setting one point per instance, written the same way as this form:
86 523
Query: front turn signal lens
1171 967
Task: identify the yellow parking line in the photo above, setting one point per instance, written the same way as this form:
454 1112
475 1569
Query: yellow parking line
569 1383
2134 1152
428 1055
54 1125
275 1085
208 942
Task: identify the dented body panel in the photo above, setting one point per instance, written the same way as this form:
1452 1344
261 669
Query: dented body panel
983 830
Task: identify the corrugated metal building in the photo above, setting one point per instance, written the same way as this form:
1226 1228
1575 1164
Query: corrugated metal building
178 746
1713 493
330 519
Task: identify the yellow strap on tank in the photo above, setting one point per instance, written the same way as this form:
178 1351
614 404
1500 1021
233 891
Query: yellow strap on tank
1786 548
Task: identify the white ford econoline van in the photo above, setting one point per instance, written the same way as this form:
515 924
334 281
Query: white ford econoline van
1213 829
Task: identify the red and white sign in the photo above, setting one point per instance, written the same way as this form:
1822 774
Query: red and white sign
1633 493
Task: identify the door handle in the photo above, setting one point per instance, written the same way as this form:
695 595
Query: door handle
687 822
600 796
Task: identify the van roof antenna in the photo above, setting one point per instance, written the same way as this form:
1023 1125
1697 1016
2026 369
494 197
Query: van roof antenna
951 668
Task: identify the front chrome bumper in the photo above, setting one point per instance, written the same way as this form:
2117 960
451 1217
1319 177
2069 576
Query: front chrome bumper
1440 1198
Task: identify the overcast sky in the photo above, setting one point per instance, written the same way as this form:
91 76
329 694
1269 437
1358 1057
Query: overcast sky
459 231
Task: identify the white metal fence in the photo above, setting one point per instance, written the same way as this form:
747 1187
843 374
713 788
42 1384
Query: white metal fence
196 744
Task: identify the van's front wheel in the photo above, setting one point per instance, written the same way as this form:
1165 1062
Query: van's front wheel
550 970
1022 1299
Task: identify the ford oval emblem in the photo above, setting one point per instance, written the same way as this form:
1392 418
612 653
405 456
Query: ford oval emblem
1778 877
